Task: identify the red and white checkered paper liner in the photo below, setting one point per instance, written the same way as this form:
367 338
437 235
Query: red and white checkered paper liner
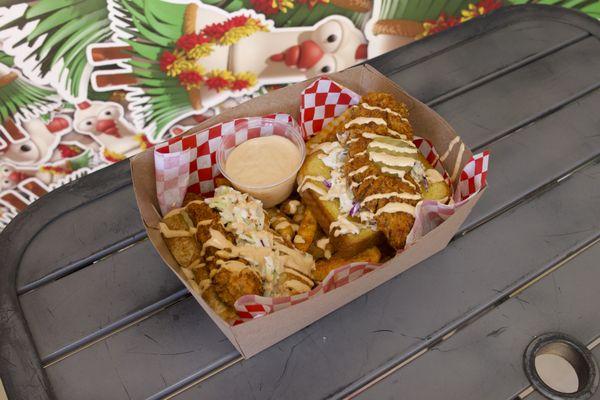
189 164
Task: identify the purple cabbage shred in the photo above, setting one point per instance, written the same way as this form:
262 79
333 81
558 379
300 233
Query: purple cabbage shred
354 210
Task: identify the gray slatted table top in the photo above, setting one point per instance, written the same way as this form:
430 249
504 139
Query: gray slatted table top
89 311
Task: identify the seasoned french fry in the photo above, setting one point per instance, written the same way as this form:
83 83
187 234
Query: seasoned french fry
291 207
281 224
323 267
306 232
222 181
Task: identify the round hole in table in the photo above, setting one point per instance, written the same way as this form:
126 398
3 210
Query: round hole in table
557 372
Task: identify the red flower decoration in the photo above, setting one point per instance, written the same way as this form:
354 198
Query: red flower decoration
489 5
166 59
239 84
312 3
443 22
190 78
264 6
190 40
218 30
217 83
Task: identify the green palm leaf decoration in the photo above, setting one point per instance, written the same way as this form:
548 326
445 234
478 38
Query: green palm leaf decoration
590 7
420 10
21 99
155 27
6 59
69 27
303 15
300 15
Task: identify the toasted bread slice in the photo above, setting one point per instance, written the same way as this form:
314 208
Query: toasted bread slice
326 212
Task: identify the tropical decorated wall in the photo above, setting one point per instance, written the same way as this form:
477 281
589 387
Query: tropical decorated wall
86 83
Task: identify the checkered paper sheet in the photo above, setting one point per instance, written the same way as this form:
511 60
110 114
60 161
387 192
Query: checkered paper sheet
188 163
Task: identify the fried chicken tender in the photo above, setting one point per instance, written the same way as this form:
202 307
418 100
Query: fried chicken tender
205 219
235 279
395 227
385 100
376 105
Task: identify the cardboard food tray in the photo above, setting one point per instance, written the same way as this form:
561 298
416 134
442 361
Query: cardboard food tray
257 334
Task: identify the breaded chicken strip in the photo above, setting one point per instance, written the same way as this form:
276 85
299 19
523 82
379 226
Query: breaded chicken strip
234 279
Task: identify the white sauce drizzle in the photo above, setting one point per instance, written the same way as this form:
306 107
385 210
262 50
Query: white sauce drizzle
400 195
455 171
358 171
322 243
387 110
391 147
175 233
299 239
450 147
343 226
309 185
365 120
396 207
392 161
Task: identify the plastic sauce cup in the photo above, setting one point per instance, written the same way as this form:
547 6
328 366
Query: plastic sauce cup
273 192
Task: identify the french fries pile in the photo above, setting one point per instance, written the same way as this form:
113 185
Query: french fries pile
294 220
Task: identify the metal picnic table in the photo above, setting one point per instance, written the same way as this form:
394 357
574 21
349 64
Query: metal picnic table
89 311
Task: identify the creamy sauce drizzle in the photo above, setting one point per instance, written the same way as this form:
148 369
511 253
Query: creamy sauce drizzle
400 174
459 157
343 226
292 258
396 207
400 195
358 171
391 160
293 206
449 149
325 147
461 150
387 110
365 120
281 225
322 243
309 185
175 233
391 147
